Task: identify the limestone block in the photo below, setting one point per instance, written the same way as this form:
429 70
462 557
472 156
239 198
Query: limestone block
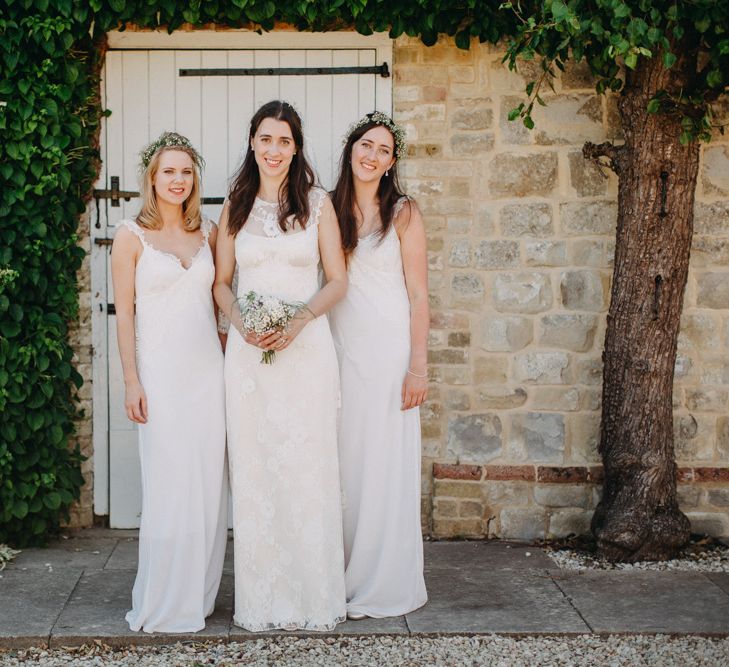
585 177
715 170
715 370
459 224
563 495
561 399
570 522
484 221
402 94
522 292
689 496
522 523
693 436
583 290
443 508
589 371
457 399
718 497
490 370
533 220
472 144
585 437
506 333
430 420
541 434
699 330
588 252
446 206
682 368
707 399
467 288
569 119
447 356
513 131
497 255
715 524
591 399
711 217
543 367
434 93
458 528
474 438
545 253
507 493
577 75
713 290
450 488
459 339
516 175
459 188
722 438
444 169
474 114
457 375
470 509
461 254
568 331
597 218
709 251
505 398
421 111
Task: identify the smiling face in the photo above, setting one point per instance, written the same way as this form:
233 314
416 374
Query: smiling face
273 147
373 154
175 176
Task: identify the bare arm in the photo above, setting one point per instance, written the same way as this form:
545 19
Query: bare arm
124 255
413 247
224 265
222 334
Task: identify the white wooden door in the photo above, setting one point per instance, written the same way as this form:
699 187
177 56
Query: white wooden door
146 95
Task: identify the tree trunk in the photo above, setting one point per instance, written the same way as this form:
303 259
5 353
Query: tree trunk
638 517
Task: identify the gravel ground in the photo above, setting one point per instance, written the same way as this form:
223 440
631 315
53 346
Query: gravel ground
697 557
485 651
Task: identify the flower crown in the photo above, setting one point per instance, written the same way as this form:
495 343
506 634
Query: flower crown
383 119
170 140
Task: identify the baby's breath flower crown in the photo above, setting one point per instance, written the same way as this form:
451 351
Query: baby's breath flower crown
170 140
382 119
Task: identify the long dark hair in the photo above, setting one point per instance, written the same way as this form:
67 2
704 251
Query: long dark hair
343 196
293 195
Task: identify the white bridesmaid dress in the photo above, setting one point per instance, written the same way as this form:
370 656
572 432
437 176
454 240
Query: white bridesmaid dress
379 444
183 529
282 440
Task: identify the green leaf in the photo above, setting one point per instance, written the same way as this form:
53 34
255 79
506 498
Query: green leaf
653 106
528 122
559 10
668 59
20 509
52 500
631 60
715 79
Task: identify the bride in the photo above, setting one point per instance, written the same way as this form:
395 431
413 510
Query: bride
282 417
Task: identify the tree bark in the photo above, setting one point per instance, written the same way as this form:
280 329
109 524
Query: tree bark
638 517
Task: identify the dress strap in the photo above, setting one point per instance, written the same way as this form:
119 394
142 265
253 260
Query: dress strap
316 199
206 226
399 205
135 229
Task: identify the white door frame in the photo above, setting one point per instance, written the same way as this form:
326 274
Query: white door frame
196 39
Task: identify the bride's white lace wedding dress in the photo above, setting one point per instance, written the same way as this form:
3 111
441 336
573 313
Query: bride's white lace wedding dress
282 442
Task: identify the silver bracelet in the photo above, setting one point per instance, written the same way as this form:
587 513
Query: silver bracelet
417 375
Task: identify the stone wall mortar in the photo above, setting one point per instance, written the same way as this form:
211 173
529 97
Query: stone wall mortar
521 237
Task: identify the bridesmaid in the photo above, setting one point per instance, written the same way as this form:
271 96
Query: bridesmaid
162 270
380 330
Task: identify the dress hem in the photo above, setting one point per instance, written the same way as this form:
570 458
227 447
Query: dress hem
293 626
360 609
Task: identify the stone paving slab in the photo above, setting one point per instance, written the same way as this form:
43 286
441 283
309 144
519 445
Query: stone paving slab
84 553
473 600
124 556
487 555
721 579
648 602
30 603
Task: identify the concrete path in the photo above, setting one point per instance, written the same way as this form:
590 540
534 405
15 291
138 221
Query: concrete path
79 589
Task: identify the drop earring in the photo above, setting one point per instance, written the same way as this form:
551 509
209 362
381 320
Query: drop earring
387 172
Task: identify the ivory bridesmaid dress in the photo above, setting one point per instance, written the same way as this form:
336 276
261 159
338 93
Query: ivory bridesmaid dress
183 530
379 444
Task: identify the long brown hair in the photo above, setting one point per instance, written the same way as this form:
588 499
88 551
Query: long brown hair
293 196
149 216
343 195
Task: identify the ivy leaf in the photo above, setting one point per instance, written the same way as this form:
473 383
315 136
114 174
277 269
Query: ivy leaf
52 500
668 59
631 60
653 106
715 79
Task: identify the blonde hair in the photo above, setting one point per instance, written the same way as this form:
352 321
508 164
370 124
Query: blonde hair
149 216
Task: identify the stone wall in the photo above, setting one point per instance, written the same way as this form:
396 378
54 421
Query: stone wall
521 233
521 237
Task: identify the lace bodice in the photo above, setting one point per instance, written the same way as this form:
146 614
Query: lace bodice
273 262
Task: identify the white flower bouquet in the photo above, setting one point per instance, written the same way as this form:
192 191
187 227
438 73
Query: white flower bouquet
260 314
